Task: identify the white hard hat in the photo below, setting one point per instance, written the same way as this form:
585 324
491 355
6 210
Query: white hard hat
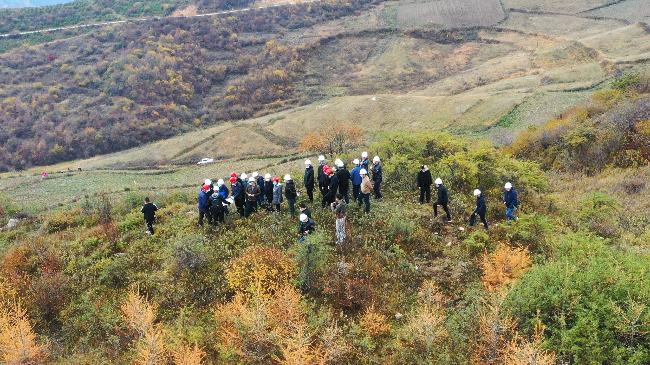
207 182
376 159
303 217
477 192
439 181
363 172
255 174
508 185
307 162
267 176
220 182
356 161
338 162
243 176
321 158
287 177
364 154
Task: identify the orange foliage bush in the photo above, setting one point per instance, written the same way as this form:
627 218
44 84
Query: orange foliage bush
260 271
504 265
334 139
373 323
18 344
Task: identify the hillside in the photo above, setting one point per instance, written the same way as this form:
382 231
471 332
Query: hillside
109 89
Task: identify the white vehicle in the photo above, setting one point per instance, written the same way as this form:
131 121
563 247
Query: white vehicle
205 161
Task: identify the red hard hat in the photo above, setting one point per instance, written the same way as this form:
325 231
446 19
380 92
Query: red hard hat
275 178
206 187
234 174
233 180
325 168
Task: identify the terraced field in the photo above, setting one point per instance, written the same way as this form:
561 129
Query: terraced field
450 13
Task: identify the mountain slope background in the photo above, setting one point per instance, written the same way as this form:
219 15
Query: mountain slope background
126 85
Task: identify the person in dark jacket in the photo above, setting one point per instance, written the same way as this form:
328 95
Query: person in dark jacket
307 227
377 177
290 193
217 208
252 194
321 175
344 181
331 189
304 210
268 192
149 209
204 205
276 199
222 189
309 180
260 183
208 182
481 210
443 200
355 176
238 195
511 202
425 182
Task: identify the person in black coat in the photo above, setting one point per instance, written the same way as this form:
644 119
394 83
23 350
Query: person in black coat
344 182
149 209
268 192
304 210
217 208
425 182
481 210
377 177
321 176
309 180
290 193
332 188
443 200
307 226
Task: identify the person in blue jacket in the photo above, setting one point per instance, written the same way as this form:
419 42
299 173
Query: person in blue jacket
223 191
481 210
365 163
204 205
510 201
355 176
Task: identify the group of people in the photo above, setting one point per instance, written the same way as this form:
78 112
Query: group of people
425 183
257 191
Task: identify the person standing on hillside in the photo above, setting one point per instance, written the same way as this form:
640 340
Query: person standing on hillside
332 188
321 175
149 210
366 189
377 177
277 193
443 200
252 194
511 202
238 195
309 180
260 184
290 193
339 208
217 208
204 205
356 179
306 227
344 181
365 163
223 191
481 210
425 182
208 182
304 210
268 192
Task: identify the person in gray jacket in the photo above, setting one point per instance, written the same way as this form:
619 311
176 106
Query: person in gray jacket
339 208
277 193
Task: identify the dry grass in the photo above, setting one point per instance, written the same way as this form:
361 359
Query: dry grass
559 6
451 13
630 10
569 27
621 42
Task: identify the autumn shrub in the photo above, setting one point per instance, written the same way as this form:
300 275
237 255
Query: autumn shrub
592 298
532 232
61 220
504 265
599 213
260 270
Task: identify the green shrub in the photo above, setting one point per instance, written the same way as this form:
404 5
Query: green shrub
581 295
313 256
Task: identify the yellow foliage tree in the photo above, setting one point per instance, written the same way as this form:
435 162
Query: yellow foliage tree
18 343
260 271
522 351
140 315
504 265
333 139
